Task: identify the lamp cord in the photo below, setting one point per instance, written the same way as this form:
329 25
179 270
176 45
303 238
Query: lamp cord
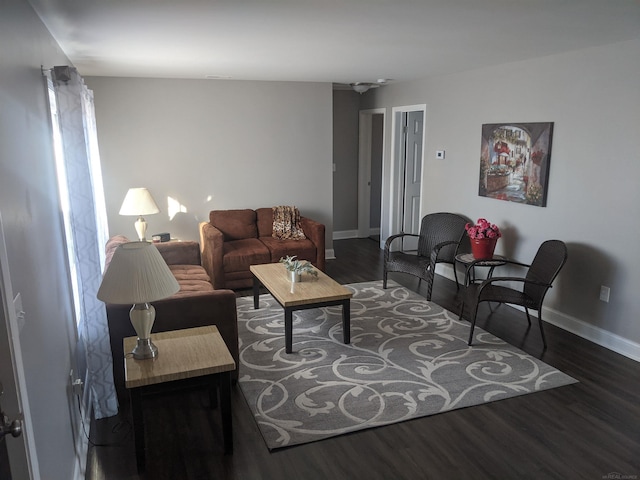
115 429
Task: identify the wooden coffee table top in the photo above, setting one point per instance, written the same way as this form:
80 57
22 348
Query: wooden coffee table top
187 353
275 278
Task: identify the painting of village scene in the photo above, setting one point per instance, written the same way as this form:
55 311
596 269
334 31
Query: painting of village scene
514 162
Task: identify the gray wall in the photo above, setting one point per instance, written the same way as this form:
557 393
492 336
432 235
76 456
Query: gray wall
214 145
34 235
346 105
593 97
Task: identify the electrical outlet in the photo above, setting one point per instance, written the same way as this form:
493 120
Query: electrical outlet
76 387
604 293
76 384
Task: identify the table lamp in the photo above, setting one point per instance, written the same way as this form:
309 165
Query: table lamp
137 274
139 202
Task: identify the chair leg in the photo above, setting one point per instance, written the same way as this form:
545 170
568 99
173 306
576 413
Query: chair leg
544 340
384 278
429 281
473 325
455 275
528 316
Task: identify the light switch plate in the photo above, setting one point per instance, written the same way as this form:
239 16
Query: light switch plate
440 154
17 305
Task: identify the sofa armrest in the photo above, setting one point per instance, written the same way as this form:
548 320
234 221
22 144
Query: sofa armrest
314 231
179 253
211 253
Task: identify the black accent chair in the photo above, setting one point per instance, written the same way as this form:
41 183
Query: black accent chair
549 260
438 242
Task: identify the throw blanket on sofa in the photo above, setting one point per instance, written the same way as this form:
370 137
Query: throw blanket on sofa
286 223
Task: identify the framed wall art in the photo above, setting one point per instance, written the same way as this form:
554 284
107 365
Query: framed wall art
514 162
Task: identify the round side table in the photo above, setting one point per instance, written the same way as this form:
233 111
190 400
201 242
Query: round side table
470 263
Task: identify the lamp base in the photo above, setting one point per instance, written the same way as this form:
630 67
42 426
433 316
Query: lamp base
144 349
141 228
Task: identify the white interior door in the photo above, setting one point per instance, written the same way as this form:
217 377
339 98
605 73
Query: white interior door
22 465
412 177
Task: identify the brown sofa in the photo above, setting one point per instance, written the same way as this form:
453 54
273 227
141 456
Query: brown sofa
232 240
196 304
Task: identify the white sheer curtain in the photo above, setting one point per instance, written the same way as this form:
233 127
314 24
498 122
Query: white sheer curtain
82 201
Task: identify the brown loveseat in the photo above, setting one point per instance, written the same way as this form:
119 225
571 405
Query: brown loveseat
197 304
233 240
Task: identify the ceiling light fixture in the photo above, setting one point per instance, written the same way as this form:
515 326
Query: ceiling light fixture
361 87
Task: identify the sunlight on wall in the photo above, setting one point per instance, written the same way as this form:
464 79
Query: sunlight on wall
174 207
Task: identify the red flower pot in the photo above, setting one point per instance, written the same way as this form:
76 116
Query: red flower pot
483 248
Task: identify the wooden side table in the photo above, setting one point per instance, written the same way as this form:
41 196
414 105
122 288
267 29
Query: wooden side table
186 358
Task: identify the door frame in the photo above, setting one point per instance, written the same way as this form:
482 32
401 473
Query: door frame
365 131
392 209
22 450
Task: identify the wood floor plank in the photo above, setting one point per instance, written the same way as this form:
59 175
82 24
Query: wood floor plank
582 431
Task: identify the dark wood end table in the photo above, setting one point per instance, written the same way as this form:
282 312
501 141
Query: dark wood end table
186 358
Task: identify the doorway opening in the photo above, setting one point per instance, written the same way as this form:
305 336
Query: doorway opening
370 172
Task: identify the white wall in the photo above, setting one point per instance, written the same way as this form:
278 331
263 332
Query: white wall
593 204
214 145
34 235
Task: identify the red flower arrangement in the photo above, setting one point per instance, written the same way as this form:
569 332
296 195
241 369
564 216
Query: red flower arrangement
483 229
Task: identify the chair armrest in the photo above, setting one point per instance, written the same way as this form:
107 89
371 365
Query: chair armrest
522 280
433 258
392 238
315 231
211 253
436 250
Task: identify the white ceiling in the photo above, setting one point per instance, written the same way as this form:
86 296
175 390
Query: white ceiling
325 40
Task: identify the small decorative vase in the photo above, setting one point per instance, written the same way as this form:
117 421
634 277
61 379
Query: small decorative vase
295 277
483 248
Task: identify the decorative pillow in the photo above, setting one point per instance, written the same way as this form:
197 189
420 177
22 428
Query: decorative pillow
286 223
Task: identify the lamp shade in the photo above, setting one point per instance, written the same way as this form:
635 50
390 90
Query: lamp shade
138 201
137 273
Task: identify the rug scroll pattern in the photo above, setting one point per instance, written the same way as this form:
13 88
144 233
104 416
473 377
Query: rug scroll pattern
408 358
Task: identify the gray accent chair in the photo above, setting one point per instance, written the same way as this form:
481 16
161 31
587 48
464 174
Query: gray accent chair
547 263
441 235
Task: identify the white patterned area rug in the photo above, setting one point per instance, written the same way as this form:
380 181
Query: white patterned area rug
408 358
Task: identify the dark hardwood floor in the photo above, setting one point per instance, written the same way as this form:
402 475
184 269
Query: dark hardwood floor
588 430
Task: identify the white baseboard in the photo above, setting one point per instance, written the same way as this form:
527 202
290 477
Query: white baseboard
343 235
594 334
329 254
597 335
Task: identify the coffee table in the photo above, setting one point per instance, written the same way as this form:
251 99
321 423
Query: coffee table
311 292
186 358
